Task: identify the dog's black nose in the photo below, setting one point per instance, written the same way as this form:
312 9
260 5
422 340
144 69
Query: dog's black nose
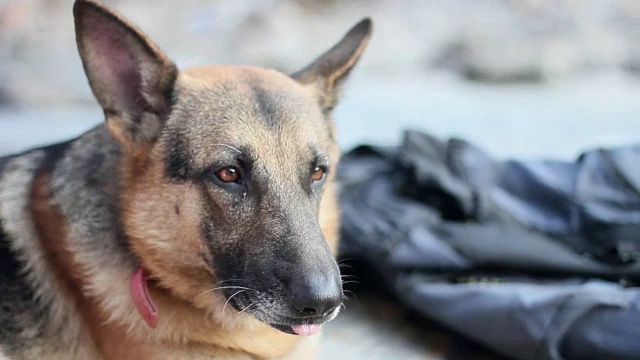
315 296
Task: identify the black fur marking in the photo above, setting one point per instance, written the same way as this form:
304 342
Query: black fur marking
19 310
177 158
226 259
53 154
284 328
17 300
220 255
207 225
267 107
17 305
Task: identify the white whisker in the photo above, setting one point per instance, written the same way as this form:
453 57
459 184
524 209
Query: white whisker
231 297
230 147
220 288
245 309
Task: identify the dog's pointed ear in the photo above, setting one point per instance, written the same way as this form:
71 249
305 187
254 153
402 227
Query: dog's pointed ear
325 75
129 76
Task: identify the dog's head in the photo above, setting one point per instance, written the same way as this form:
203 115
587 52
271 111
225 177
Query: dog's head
227 195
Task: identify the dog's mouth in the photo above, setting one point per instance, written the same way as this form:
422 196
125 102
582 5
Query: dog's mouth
305 326
302 326
302 330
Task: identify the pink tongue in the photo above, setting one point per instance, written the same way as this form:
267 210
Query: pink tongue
306 329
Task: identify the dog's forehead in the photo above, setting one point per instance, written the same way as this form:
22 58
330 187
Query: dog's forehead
246 107
220 94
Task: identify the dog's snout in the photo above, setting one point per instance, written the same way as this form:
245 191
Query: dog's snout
315 295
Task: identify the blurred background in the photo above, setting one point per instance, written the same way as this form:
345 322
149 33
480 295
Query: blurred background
527 79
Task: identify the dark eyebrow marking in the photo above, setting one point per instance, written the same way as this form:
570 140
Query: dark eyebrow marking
319 156
178 162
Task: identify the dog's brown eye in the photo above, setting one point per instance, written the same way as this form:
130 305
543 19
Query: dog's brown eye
229 174
318 173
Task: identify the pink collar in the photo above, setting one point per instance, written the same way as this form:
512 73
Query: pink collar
139 288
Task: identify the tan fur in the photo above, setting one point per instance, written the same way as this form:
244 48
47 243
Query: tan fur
188 276
82 274
183 332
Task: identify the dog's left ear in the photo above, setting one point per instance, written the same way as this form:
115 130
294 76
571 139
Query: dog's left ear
325 75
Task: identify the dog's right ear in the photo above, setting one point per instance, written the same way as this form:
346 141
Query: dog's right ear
129 76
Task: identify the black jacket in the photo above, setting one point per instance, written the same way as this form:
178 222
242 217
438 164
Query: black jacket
537 260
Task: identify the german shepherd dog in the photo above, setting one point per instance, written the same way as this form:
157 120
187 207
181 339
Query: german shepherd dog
198 222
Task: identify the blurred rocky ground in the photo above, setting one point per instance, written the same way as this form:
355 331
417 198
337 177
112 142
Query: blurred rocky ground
496 41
